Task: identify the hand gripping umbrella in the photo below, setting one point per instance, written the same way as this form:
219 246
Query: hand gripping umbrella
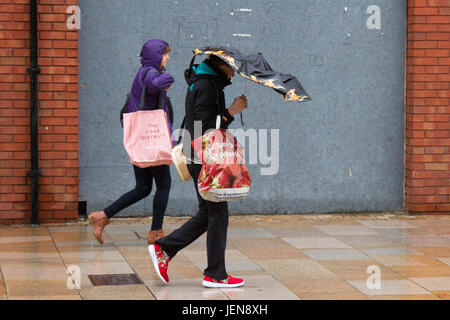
255 68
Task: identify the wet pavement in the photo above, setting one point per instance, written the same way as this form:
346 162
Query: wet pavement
351 257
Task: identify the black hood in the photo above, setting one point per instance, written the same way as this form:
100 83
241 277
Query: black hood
220 79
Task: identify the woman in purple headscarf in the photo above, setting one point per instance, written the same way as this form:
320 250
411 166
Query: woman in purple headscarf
154 57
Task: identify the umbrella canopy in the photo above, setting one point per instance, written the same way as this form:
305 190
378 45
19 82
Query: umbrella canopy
256 68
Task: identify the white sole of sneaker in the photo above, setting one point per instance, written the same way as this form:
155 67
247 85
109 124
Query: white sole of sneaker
209 284
151 250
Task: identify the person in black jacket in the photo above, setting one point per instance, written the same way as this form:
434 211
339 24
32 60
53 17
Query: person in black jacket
205 100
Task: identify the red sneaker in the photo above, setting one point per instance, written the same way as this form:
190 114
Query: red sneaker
160 261
230 282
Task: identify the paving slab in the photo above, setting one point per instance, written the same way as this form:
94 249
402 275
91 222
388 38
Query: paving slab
359 270
390 261
39 287
2 288
368 241
114 267
445 260
428 260
41 255
249 233
17 231
397 234
444 295
396 251
384 224
326 242
433 284
302 287
439 227
427 241
49 297
342 230
85 244
295 268
333 296
253 242
32 270
74 236
389 287
24 240
298 233
129 237
148 273
272 290
435 251
187 289
285 251
129 292
419 297
92 256
335 254
422 272
70 229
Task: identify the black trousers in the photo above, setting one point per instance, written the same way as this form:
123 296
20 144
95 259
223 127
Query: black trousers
212 217
144 181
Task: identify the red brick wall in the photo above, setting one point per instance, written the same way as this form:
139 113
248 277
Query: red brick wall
58 112
427 171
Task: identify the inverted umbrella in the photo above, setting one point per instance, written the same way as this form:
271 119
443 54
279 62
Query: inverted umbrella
256 68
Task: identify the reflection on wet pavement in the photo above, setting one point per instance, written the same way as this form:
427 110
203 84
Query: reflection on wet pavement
279 257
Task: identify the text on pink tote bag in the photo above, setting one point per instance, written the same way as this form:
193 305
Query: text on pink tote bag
146 138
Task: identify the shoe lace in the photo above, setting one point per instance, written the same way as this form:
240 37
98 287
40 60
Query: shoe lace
223 281
163 258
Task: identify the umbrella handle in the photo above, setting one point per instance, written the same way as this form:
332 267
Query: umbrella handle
244 94
246 88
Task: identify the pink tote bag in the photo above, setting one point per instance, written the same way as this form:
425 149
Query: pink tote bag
146 138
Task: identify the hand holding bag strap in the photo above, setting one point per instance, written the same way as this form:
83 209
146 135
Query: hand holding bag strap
219 117
170 109
124 109
160 99
181 135
142 104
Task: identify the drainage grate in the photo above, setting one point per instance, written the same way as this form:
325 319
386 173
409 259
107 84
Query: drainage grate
114 279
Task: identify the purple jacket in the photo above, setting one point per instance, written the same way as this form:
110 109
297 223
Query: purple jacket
151 57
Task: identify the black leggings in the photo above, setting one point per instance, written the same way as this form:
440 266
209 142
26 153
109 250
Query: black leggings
144 181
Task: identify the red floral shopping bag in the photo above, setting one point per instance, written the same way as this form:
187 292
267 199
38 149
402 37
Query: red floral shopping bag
224 176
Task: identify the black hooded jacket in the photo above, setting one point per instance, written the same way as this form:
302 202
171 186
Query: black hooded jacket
205 99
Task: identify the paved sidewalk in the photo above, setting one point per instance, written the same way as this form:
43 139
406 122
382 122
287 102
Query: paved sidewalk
280 257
